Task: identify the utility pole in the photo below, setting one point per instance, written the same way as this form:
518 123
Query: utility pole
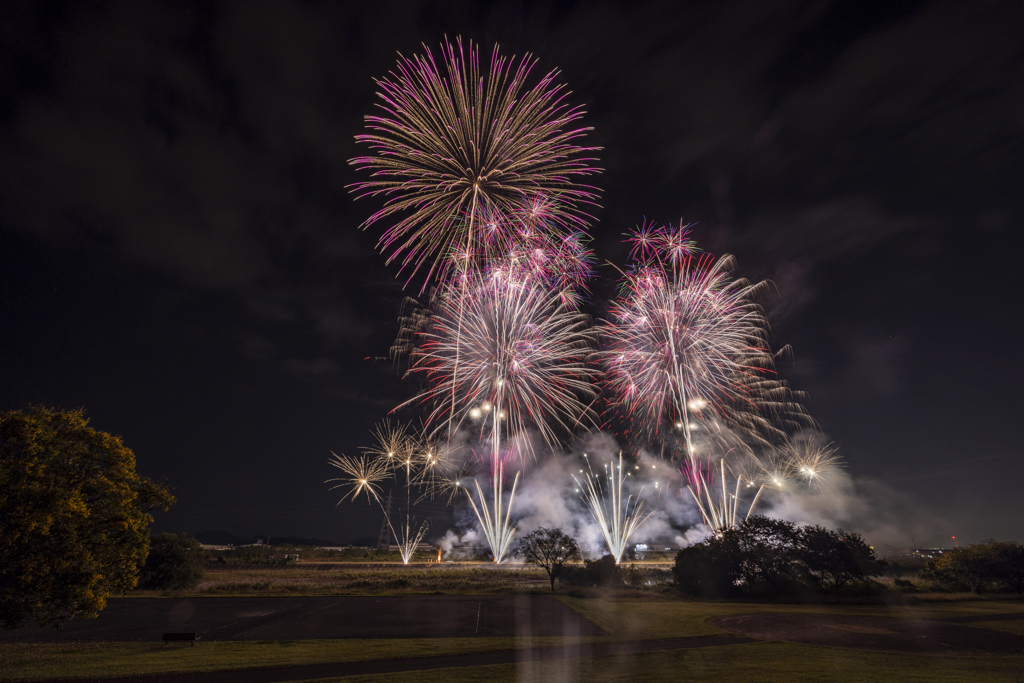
384 538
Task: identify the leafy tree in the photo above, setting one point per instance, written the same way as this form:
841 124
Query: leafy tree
710 569
835 558
964 569
175 562
769 552
549 549
767 556
73 517
1010 569
975 568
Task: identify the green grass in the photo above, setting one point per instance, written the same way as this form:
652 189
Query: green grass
756 662
649 619
67 660
622 619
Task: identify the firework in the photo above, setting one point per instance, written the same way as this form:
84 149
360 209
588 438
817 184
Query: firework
394 451
454 144
364 474
688 348
394 445
504 357
495 519
683 337
813 462
619 519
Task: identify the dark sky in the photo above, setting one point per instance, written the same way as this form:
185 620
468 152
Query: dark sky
179 254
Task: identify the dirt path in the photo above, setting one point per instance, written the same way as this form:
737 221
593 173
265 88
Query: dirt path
314 671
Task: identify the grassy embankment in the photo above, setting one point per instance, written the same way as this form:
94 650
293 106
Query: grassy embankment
623 618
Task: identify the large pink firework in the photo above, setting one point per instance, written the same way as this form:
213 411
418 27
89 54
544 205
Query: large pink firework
455 144
502 355
685 339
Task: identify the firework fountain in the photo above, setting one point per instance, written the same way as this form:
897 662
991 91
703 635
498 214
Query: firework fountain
616 519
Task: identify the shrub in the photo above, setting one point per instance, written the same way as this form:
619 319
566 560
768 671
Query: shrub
603 572
979 568
175 562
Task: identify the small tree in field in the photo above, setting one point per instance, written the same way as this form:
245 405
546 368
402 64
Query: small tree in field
175 562
549 549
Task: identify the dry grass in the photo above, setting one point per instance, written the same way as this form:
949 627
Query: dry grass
362 581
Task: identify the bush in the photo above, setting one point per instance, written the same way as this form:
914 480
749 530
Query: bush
773 558
603 572
175 562
710 569
990 566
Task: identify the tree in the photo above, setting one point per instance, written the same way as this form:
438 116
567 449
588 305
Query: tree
964 569
769 550
710 569
73 517
1010 567
834 558
175 562
549 549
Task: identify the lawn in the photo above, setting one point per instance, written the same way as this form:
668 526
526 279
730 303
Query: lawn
622 618
68 660
666 618
756 662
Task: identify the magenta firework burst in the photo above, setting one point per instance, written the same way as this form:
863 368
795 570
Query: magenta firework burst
455 144
512 355
684 336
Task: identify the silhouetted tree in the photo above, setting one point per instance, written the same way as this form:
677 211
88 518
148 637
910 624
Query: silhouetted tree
549 549
769 554
175 562
1011 565
73 517
835 558
977 568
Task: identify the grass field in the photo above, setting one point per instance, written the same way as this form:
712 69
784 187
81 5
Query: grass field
297 580
755 662
623 618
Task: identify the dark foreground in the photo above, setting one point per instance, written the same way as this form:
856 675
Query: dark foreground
875 633
306 672
145 619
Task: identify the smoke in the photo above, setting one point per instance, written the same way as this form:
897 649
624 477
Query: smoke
882 515
552 485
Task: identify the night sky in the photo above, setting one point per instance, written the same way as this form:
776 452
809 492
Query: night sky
180 256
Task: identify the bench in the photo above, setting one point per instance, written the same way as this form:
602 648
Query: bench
181 638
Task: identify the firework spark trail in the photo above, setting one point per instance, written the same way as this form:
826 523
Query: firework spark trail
518 361
620 520
455 142
688 345
364 474
495 520
395 450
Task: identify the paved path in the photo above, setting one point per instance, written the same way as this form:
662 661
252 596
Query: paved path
314 671
279 618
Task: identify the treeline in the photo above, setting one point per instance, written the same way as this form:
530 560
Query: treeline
992 567
774 558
